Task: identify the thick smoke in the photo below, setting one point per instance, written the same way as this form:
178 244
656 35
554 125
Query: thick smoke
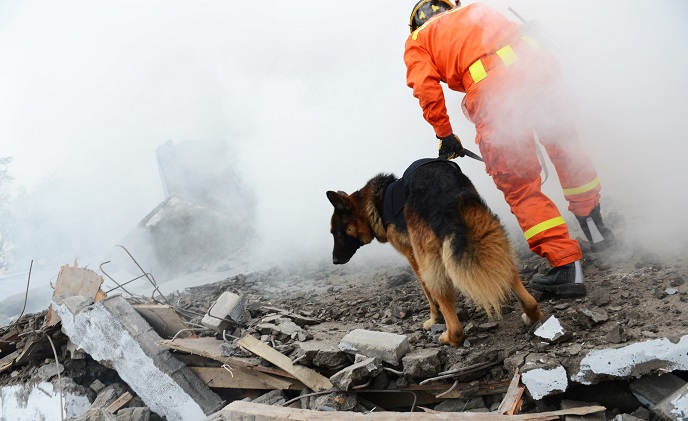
311 97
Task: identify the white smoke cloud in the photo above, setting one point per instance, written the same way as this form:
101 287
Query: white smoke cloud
311 97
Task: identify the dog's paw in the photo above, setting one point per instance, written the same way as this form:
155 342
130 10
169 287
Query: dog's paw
447 340
526 320
428 324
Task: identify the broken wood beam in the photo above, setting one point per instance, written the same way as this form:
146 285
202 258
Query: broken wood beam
242 410
243 378
311 378
119 403
511 403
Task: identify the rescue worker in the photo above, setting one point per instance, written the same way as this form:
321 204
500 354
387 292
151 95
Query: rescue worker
513 90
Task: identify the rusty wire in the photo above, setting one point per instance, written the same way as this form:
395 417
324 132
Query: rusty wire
26 297
59 377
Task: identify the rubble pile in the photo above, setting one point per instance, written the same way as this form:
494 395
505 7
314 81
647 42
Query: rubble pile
347 343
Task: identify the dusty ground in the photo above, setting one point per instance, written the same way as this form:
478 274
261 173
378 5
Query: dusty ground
633 295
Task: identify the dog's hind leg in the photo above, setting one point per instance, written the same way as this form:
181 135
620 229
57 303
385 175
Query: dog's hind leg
447 304
434 313
531 309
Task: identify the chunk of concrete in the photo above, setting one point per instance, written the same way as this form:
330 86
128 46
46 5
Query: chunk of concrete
650 390
551 330
674 406
356 373
228 305
633 360
113 333
422 362
41 401
321 354
389 347
543 376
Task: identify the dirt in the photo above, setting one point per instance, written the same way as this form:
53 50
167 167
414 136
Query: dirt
633 294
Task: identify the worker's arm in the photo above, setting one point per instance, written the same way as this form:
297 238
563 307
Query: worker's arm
423 78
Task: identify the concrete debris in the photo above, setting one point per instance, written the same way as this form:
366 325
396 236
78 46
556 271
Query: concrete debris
270 362
389 347
551 330
543 376
634 360
357 373
228 306
111 331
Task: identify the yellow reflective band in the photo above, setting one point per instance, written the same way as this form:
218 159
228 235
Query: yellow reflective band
582 189
531 41
477 71
542 226
507 55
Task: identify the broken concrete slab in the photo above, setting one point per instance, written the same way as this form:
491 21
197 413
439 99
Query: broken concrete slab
389 347
634 360
543 375
320 354
551 330
228 306
422 363
357 373
674 406
41 401
112 332
652 389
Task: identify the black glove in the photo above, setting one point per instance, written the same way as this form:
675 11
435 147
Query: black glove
450 147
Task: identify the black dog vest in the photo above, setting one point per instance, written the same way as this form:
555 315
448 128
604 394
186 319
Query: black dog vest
394 196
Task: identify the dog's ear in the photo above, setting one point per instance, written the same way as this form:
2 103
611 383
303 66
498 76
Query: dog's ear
338 200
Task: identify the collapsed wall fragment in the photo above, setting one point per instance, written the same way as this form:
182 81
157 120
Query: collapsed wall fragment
113 333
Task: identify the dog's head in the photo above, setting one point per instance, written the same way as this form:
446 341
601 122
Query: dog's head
348 226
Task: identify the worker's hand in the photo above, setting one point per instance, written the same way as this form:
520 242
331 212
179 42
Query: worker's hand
450 147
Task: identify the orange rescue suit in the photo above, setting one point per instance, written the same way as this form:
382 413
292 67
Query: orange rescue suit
513 91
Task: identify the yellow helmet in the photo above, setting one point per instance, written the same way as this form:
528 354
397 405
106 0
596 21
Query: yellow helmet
425 9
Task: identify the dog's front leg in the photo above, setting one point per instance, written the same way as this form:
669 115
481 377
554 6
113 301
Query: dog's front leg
432 303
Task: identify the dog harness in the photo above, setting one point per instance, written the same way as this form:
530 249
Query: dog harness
394 196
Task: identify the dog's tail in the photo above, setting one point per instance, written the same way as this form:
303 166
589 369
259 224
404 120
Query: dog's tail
483 268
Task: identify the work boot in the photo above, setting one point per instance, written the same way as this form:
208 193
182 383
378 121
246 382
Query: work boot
599 236
563 281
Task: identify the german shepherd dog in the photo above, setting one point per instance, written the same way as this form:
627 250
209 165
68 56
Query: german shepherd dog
450 237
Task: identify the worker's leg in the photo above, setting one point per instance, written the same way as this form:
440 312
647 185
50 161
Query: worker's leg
576 171
512 162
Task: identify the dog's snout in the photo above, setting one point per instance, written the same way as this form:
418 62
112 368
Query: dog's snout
338 261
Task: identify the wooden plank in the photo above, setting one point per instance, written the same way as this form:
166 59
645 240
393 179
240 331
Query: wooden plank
511 403
485 388
7 361
72 281
163 319
311 378
243 378
119 403
209 347
242 410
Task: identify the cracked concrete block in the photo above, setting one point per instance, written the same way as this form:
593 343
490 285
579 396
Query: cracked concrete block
633 360
228 305
111 331
650 390
551 330
389 347
321 354
543 375
674 406
356 373
422 362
